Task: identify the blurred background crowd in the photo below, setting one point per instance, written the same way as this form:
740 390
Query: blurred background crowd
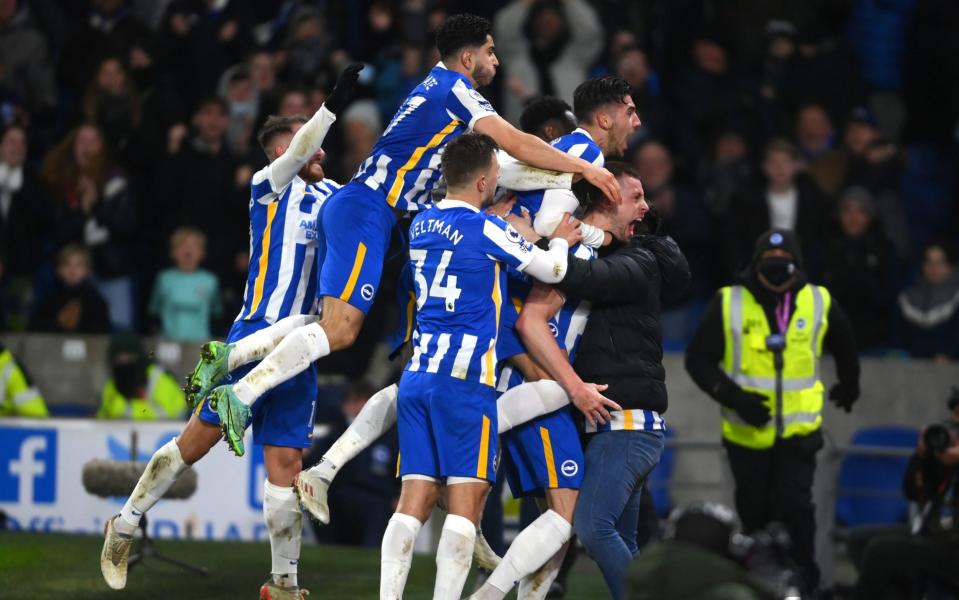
127 143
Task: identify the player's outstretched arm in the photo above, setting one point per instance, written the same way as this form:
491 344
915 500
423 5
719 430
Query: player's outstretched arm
533 326
549 266
534 151
309 138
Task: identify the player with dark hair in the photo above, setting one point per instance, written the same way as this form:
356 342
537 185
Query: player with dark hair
357 221
547 117
446 409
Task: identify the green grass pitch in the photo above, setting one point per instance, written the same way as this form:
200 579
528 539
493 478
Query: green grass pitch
39 566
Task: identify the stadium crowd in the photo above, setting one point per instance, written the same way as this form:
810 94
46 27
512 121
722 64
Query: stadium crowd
127 143
782 143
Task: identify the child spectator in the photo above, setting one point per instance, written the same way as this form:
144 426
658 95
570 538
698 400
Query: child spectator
74 305
186 296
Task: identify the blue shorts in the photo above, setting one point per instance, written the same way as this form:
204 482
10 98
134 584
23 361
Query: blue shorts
284 415
356 223
544 453
447 427
508 343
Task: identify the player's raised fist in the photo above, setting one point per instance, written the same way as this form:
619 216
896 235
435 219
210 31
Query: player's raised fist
343 90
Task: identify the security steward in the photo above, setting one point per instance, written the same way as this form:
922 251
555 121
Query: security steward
137 388
18 396
757 352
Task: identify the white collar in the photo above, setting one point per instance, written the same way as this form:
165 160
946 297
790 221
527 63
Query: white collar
447 203
441 65
584 132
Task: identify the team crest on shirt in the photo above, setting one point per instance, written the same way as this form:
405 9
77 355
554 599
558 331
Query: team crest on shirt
480 99
367 292
569 468
800 323
517 238
554 329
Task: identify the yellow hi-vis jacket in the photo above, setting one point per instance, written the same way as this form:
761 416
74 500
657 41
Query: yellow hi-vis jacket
18 398
794 394
162 399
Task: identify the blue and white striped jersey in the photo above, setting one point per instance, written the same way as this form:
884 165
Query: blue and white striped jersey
577 143
568 324
459 257
283 247
405 162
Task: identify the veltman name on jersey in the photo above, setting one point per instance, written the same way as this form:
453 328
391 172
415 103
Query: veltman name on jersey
437 226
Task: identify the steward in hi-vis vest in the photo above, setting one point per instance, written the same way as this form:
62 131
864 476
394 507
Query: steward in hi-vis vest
757 352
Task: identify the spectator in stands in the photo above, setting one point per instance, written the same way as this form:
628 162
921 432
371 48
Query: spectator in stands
683 214
262 66
94 206
26 71
546 47
74 305
361 126
294 101
632 65
929 310
186 297
814 133
239 91
203 39
18 396
366 491
138 389
110 29
787 199
860 268
730 170
24 222
113 103
399 73
199 184
708 94
863 159
308 46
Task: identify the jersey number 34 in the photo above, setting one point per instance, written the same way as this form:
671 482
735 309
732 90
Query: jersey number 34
449 293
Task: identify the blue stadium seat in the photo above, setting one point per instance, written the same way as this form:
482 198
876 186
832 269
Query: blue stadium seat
659 479
870 487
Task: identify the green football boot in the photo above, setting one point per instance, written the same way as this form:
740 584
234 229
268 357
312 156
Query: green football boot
213 367
234 416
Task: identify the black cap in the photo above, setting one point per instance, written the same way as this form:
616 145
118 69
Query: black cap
126 343
781 239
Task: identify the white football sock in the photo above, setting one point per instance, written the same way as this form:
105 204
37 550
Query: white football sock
260 343
164 467
535 586
528 401
284 521
531 549
298 350
454 555
396 554
375 419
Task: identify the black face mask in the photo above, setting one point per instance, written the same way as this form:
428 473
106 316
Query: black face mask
777 270
130 379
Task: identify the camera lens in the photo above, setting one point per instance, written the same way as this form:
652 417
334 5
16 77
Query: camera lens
937 438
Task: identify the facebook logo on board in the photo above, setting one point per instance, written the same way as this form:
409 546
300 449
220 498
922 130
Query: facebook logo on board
28 465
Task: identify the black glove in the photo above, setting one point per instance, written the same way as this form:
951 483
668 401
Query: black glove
751 407
343 90
844 395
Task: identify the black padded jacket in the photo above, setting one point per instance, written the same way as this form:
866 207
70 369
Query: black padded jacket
622 344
